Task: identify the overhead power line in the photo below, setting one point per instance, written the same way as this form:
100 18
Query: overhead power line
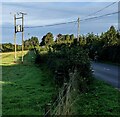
73 28
94 13
62 23
89 18
52 24
100 16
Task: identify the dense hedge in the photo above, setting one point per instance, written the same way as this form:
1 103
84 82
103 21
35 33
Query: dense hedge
110 53
8 47
105 46
66 60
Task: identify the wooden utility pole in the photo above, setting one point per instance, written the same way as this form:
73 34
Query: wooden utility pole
19 28
78 30
22 35
15 37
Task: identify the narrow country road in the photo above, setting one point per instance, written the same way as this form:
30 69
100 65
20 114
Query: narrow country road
108 73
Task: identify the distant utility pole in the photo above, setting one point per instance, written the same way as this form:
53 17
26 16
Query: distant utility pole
78 30
19 28
23 33
15 37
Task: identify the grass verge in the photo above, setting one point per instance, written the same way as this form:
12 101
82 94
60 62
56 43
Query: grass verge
102 100
25 87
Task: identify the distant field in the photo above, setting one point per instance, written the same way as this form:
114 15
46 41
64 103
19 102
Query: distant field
8 57
26 88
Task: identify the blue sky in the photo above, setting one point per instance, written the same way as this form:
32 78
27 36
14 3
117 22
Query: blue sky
42 13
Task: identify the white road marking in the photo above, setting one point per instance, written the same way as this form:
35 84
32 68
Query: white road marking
106 69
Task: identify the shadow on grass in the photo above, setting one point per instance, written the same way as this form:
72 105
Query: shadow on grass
25 87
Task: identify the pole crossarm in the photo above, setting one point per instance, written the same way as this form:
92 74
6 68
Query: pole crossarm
18 17
78 30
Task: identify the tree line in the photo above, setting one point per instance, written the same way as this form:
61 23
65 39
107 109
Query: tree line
104 46
28 45
9 47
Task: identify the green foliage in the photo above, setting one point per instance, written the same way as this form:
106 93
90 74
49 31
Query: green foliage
47 39
41 48
66 55
105 46
67 39
28 44
9 47
31 43
110 53
82 40
65 60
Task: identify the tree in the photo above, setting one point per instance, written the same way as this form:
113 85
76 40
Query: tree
110 37
64 38
47 39
67 38
7 47
31 43
71 37
59 38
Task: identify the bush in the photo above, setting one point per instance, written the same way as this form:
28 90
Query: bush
67 59
110 53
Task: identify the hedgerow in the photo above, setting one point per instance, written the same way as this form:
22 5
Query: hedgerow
64 61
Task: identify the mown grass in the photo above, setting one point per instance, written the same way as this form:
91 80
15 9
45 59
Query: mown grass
25 87
103 99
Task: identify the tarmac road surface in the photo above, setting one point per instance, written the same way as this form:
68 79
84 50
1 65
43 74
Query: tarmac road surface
108 73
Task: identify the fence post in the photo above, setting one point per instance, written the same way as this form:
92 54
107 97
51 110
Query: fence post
48 110
65 89
59 105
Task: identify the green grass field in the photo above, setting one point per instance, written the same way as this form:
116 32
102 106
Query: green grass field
25 87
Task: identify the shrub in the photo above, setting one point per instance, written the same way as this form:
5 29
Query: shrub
65 60
110 53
